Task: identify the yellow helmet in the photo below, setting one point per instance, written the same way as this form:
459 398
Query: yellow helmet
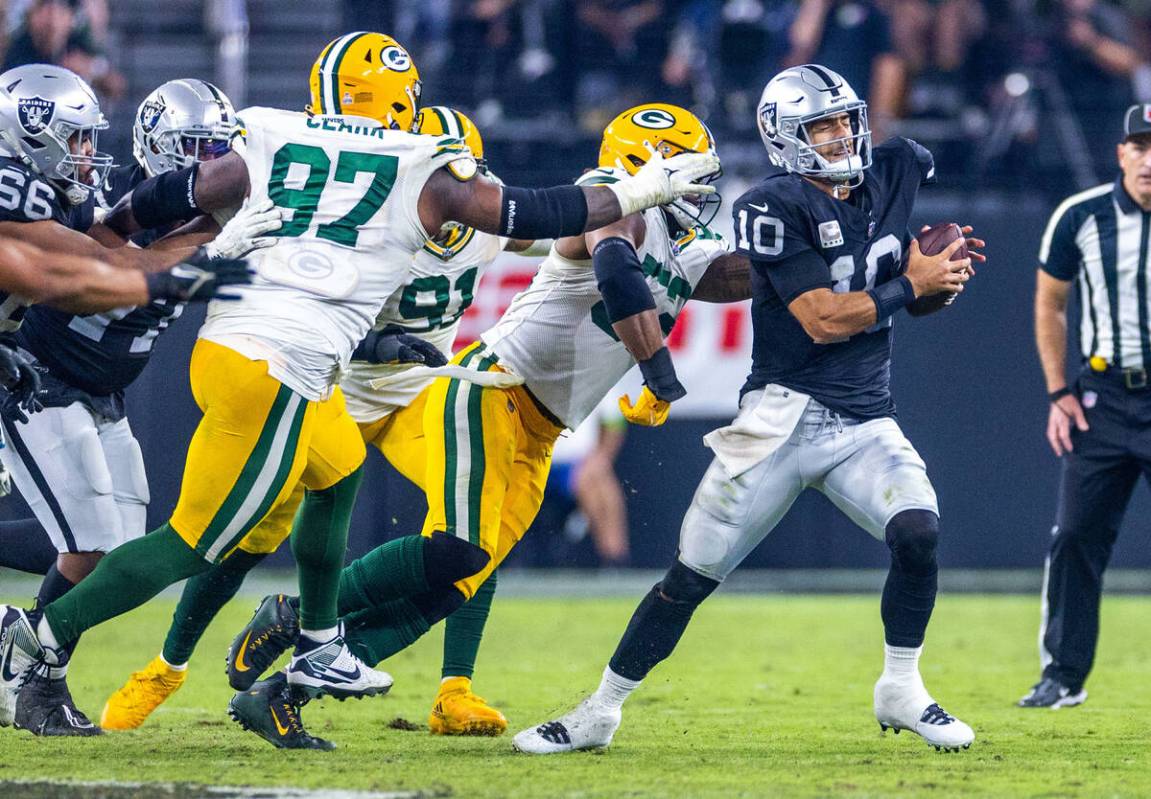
369 75
439 120
668 128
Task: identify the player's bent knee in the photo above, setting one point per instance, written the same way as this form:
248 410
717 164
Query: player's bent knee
448 559
913 536
683 585
437 605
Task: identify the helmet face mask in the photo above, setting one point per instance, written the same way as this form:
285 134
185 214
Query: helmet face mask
369 75
50 120
181 123
794 102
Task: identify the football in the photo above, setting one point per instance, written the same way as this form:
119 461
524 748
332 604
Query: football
933 241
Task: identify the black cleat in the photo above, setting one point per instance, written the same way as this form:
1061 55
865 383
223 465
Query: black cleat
45 707
273 630
271 710
1049 692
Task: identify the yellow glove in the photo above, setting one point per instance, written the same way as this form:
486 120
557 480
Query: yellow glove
649 410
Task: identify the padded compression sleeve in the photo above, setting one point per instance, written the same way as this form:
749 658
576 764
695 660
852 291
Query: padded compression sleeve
620 279
166 198
543 213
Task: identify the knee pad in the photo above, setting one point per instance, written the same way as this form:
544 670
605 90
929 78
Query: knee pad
684 586
448 559
437 605
912 536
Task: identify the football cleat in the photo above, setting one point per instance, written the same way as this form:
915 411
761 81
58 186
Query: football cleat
457 711
1049 692
329 668
45 707
20 651
273 630
908 706
271 710
144 691
589 726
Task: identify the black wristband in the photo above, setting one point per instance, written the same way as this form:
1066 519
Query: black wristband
1060 393
620 279
889 297
543 213
166 198
659 376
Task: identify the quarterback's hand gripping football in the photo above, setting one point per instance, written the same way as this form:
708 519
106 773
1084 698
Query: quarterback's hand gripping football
199 279
648 410
20 379
246 231
662 180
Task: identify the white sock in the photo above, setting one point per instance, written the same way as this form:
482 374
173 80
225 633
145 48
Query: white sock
613 689
46 636
173 666
321 636
901 662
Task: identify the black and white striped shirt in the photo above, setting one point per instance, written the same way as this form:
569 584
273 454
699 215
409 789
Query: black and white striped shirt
1099 238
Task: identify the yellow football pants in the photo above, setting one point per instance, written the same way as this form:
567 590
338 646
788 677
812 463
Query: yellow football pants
488 455
399 436
257 440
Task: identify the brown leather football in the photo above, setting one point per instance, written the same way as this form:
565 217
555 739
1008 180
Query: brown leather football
933 241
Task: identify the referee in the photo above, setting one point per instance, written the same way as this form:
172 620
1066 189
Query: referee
1096 241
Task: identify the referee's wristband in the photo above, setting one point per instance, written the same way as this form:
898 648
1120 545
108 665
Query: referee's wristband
1059 394
889 297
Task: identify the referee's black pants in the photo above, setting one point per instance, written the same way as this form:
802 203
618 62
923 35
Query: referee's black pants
1095 487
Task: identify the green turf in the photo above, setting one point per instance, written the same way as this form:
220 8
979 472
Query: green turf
765 696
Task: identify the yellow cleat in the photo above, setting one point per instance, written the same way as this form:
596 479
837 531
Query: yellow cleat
144 692
458 711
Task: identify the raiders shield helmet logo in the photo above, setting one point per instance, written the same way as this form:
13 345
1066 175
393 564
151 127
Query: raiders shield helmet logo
150 114
767 119
35 113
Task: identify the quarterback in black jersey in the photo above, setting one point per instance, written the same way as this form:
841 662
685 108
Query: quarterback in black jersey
826 234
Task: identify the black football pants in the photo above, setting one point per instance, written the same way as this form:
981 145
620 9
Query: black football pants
1095 487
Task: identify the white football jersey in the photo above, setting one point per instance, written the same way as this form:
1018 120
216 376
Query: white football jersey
440 287
556 334
349 189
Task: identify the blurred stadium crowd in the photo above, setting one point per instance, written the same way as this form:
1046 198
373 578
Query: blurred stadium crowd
1009 93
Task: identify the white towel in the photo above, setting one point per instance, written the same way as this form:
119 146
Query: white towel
763 425
492 379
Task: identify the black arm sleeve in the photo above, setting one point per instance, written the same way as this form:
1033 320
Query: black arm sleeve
620 279
543 213
166 198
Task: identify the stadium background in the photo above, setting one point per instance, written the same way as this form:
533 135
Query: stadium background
1013 98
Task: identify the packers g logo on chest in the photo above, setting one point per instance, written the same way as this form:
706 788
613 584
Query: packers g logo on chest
35 113
653 118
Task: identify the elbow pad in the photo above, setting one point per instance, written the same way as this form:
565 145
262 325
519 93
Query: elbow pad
542 213
620 279
166 198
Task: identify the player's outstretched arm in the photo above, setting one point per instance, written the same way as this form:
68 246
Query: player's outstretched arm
54 238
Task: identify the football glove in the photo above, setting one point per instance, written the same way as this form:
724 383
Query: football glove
649 410
661 180
246 230
199 279
393 346
20 379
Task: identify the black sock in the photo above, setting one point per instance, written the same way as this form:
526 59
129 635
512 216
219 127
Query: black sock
201 600
25 546
913 580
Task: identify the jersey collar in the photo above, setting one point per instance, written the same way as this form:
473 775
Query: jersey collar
1123 199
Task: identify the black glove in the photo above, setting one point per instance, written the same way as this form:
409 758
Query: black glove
199 279
20 379
393 346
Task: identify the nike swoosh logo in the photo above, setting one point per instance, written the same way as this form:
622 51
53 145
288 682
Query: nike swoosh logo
240 664
6 672
349 676
279 727
761 208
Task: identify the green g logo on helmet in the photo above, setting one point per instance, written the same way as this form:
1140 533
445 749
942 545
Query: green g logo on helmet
653 118
395 58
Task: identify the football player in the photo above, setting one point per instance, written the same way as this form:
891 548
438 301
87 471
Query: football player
75 461
600 302
364 194
444 277
827 235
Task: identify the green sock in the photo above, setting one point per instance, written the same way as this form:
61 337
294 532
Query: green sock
125 578
464 629
319 544
201 600
388 572
377 633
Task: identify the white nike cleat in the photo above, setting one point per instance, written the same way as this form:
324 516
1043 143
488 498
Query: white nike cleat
589 726
20 651
905 705
330 669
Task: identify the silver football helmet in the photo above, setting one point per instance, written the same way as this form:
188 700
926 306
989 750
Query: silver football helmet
50 120
180 123
794 99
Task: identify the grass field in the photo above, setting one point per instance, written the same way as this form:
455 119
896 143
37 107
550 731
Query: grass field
766 696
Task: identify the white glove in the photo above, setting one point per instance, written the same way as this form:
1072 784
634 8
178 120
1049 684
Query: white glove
245 231
662 180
